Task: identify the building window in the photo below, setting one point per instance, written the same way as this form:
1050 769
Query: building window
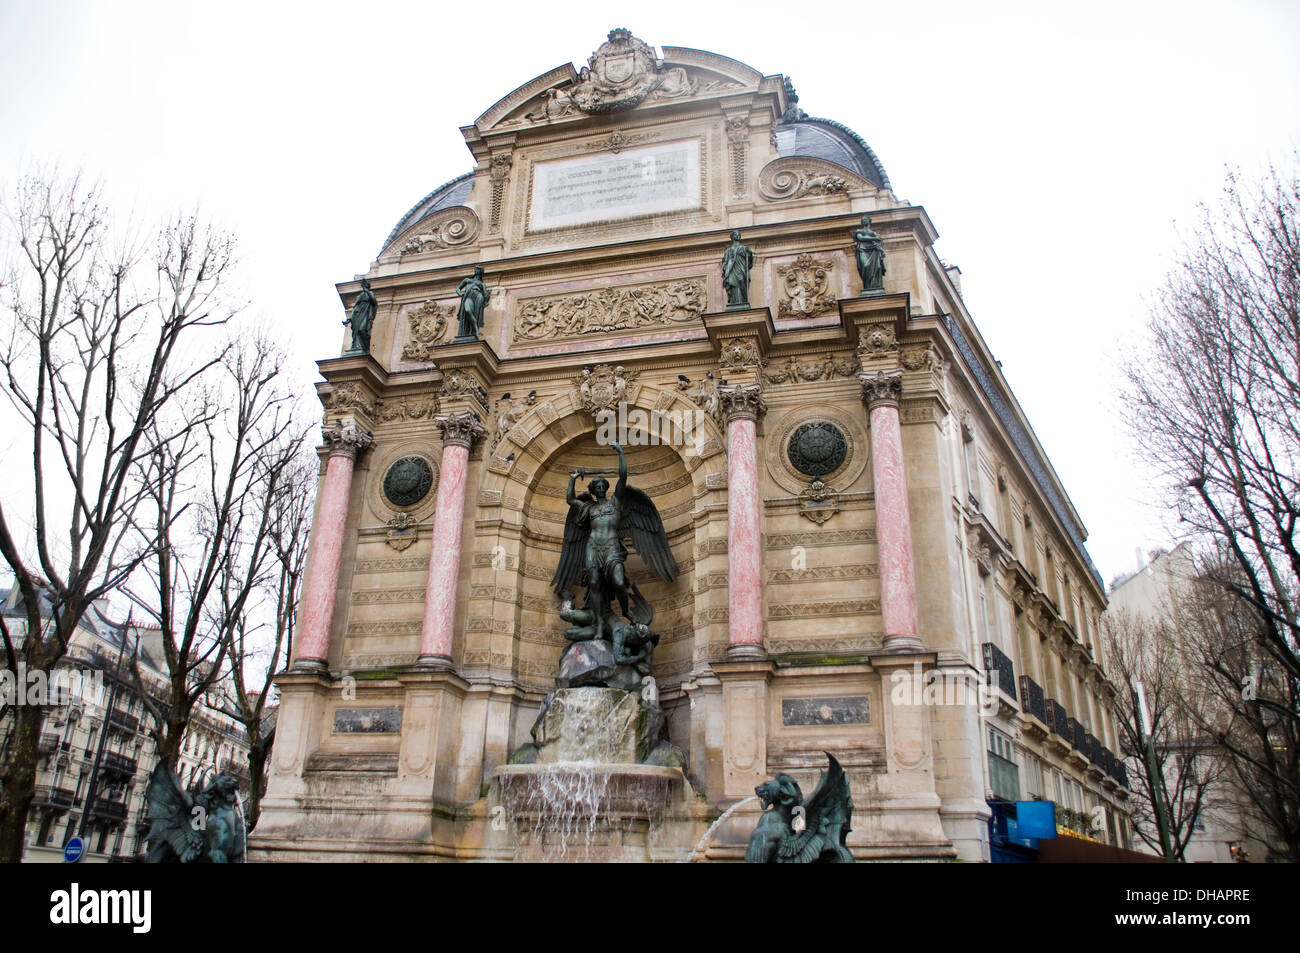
1004 775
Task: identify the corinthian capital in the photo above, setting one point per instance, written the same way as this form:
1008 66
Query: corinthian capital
741 402
882 387
459 429
345 437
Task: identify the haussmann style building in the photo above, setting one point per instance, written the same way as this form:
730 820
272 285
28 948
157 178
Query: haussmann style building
875 557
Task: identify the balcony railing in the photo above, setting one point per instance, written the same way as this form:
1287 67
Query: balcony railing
111 809
1031 698
1078 737
1121 773
1095 751
118 764
1001 670
1058 720
120 719
56 796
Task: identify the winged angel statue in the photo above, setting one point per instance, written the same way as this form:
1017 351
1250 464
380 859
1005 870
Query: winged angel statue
593 555
205 826
796 831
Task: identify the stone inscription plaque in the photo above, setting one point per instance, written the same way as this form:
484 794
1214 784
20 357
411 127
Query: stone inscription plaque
839 710
381 721
648 180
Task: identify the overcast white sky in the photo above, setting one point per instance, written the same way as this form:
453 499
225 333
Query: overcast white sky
1056 147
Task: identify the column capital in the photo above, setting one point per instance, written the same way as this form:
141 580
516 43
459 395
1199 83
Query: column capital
741 401
460 429
346 438
882 388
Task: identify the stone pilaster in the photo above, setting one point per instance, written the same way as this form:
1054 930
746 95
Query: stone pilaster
459 431
741 405
882 392
343 442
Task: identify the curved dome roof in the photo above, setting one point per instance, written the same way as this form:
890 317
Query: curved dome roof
447 195
832 141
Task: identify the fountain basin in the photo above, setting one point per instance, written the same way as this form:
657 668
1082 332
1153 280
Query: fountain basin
585 811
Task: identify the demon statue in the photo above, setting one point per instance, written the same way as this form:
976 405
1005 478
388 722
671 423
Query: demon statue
795 831
206 826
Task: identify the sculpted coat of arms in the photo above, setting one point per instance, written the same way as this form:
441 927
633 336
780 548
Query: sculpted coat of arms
622 73
602 388
807 287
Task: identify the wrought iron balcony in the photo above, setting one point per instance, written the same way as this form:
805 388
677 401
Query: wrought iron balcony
1058 720
120 719
114 763
1108 762
115 810
1078 737
1094 751
1121 773
1001 670
54 796
1032 700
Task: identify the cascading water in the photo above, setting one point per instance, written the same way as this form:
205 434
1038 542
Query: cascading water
704 841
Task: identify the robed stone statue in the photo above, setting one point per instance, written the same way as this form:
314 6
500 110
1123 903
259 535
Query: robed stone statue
473 299
362 319
736 263
870 253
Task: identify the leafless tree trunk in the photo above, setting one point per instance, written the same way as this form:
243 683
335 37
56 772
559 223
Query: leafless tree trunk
96 346
1216 404
218 539
290 526
1186 766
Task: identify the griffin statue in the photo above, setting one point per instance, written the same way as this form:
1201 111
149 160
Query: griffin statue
795 831
593 555
204 826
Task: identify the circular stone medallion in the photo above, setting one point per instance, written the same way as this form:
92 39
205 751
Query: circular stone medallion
816 449
407 481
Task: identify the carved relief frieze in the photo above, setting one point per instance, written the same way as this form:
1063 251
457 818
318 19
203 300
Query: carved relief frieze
407 408
826 368
608 310
460 384
509 411
739 354
350 397
877 341
806 287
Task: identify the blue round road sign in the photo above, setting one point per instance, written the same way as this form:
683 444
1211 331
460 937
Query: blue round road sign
73 850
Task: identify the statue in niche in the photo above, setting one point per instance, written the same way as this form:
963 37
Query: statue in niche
795 831
736 263
362 319
869 251
474 294
593 554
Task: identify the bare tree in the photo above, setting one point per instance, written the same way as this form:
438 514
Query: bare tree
97 345
1174 787
1215 402
215 499
290 528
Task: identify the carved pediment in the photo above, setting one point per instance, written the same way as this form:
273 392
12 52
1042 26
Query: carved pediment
793 177
447 228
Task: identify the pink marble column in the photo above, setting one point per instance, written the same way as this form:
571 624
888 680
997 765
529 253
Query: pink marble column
881 392
742 403
322 582
459 431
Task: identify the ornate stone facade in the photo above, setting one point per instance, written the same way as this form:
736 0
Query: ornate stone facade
844 481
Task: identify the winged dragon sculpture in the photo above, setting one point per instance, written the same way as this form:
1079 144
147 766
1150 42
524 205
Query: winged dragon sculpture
795 831
203 826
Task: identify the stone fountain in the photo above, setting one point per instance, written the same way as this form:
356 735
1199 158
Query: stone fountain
601 781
